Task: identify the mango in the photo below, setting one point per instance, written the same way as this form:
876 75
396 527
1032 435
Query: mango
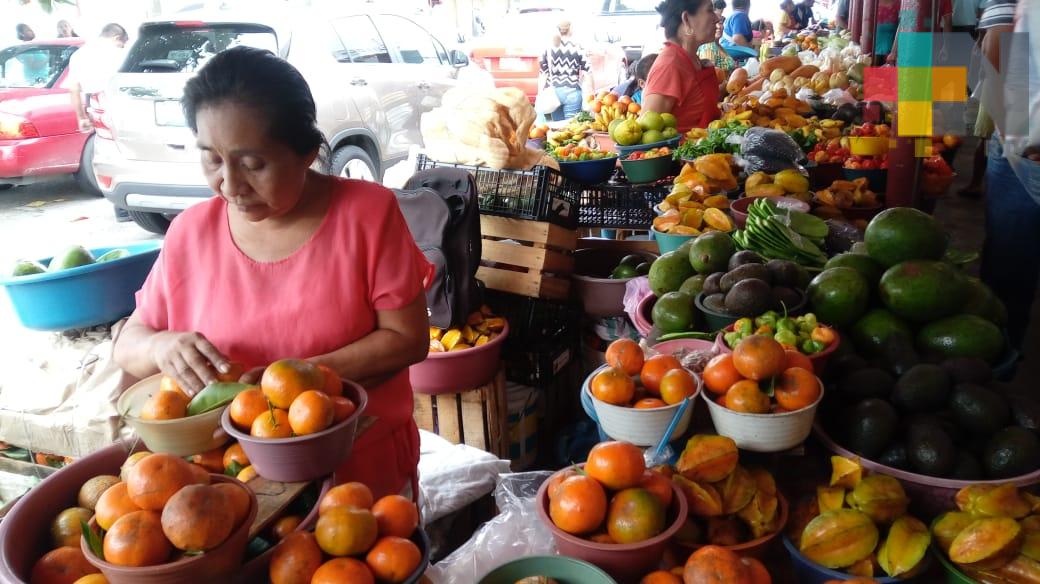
996 501
830 498
766 190
904 547
839 538
792 181
987 543
702 499
708 458
948 526
881 497
845 472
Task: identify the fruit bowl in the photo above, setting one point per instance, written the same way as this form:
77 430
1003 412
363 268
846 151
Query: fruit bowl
667 242
180 437
763 432
819 360
589 172
560 568
600 295
642 427
643 319
868 145
738 209
626 150
454 371
809 572
758 548
648 170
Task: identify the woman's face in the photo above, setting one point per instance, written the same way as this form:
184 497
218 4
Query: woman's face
261 178
718 26
701 24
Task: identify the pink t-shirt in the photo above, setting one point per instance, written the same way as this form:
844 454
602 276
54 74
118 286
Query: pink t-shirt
323 297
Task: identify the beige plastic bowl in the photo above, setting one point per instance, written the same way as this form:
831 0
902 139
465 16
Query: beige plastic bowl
763 432
642 427
181 437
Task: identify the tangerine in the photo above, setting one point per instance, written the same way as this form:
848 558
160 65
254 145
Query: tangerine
759 357
200 476
271 424
333 384
238 500
165 405
348 494
654 369
92 490
677 385
745 396
167 383
396 515
136 539
64 565
342 408
211 460
234 453
757 571
284 526
617 465
626 355
295 559
198 518
393 559
613 386
113 504
634 515
796 388
246 406
661 577
580 505
66 529
346 531
285 379
556 479
659 486
649 403
339 570
124 471
720 374
310 412
797 359
714 564
152 481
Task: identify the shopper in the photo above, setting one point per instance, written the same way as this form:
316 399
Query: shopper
942 22
737 33
803 14
285 262
24 32
885 31
714 53
638 72
788 23
65 30
679 82
563 67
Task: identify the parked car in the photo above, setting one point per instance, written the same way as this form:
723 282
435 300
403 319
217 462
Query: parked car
372 76
634 25
39 134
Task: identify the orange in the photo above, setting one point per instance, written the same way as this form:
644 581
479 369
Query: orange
295 559
396 515
64 565
759 357
124 471
310 412
136 539
283 380
796 388
758 572
152 481
556 479
284 526
634 515
113 504
65 529
199 475
348 494
91 490
165 405
720 374
198 518
333 384
393 559
677 385
272 424
342 408
246 406
613 386
626 355
649 402
661 577
234 453
168 383
346 531
659 486
211 460
617 465
797 359
713 564
745 396
340 570
654 369
579 506
238 500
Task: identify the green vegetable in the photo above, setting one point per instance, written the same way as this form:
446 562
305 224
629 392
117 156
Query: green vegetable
213 396
805 140
584 116
732 338
714 142
687 335
787 324
785 337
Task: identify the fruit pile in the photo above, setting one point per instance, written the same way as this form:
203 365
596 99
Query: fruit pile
172 403
648 128
802 333
781 111
481 327
72 257
945 143
607 107
630 266
870 130
786 183
662 379
693 206
751 286
855 162
651 153
578 153
779 233
762 377
829 152
845 194
841 528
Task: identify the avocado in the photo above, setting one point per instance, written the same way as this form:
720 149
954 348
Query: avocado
846 362
963 335
624 272
859 248
930 450
980 300
903 233
72 257
922 291
1011 452
787 273
27 268
113 254
693 285
673 313
968 370
967 467
749 297
871 331
745 272
839 296
898 354
744 257
864 264
668 272
786 299
632 260
715 303
866 383
870 426
1025 411
643 268
713 283
924 388
979 410
895 456
710 252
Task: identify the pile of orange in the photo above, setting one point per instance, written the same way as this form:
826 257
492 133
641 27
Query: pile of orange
713 565
356 540
662 379
171 403
614 499
762 377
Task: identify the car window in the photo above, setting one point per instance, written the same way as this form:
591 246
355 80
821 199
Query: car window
414 45
33 66
170 48
361 41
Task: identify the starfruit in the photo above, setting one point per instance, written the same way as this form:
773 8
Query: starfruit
676 199
880 497
1033 500
1031 544
758 178
436 346
830 498
995 501
766 190
948 526
987 543
845 472
718 219
686 174
435 333
684 230
663 223
839 538
792 181
692 218
863 568
469 334
1020 569
451 338
460 347
714 166
904 547
736 490
761 515
725 531
763 480
481 340
496 324
702 498
708 458
717 202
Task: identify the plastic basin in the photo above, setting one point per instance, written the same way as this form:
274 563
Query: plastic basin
590 172
759 548
84 296
868 145
624 562
302 458
452 372
644 316
667 242
218 564
877 178
649 169
642 427
600 295
809 572
763 432
929 496
604 141
738 209
180 437
560 568
626 150
819 360
714 321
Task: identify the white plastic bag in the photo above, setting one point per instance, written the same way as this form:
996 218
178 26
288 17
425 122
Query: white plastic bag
752 66
452 476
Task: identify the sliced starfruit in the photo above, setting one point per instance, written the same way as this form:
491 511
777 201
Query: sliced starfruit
948 526
736 490
758 178
830 498
692 218
845 472
987 543
435 333
904 547
436 346
469 335
683 230
880 497
451 338
718 219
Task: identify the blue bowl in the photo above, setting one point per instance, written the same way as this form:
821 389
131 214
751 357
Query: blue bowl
84 296
667 242
590 172
809 572
624 151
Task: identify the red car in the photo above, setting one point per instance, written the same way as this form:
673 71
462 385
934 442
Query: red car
39 134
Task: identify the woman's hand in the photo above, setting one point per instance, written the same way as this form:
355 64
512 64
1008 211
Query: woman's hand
189 358
252 377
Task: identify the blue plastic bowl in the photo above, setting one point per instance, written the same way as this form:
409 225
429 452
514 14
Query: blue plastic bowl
809 572
590 172
667 242
84 296
624 151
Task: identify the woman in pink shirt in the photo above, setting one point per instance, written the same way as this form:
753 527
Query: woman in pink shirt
285 262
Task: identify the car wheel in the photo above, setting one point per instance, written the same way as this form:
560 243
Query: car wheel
85 176
154 222
354 162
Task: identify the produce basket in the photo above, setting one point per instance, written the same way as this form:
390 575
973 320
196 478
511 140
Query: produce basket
642 427
667 242
620 206
648 170
600 295
819 360
539 194
809 572
763 432
180 436
559 568
84 296
542 338
455 371
589 172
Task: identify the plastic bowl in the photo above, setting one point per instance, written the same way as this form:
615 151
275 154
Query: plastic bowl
626 150
180 437
954 575
84 296
604 141
763 432
819 360
302 458
649 169
757 548
557 567
877 178
714 321
738 209
455 371
624 562
589 172
643 320
667 242
642 427
929 496
809 572
218 564
600 295
868 145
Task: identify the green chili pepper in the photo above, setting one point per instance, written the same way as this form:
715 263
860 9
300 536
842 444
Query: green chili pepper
787 324
213 396
743 326
732 339
785 337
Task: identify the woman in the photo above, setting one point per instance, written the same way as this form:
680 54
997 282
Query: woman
887 23
65 30
788 24
679 82
713 51
562 68
737 32
285 262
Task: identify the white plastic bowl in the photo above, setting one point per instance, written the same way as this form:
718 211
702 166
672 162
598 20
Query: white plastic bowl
763 432
642 427
180 437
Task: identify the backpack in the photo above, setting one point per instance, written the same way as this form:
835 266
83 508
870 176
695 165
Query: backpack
441 208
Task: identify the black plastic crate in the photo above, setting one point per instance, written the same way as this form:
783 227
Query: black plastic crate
621 206
542 336
539 194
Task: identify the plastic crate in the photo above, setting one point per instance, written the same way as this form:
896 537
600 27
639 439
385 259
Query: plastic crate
539 194
622 206
542 339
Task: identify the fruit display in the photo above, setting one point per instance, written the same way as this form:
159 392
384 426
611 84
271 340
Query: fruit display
778 233
786 183
858 523
607 107
695 204
651 153
662 381
578 153
760 376
845 194
481 327
71 257
856 162
801 333
751 285
171 403
870 130
829 152
937 176
630 266
648 128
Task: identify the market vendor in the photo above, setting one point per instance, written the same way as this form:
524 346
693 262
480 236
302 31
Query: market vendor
285 262
737 33
680 83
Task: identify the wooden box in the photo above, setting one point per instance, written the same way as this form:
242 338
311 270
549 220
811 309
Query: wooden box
530 258
476 417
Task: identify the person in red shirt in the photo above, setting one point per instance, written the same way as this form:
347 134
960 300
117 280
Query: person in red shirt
681 83
285 262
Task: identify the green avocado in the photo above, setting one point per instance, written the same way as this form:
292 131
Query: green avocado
963 335
871 332
1011 452
924 388
870 426
673 313
980 300
903 233
864 264
979 410
710 252
922 290
668 272
930 450
624 272
839 296
27 268
72 257
693 285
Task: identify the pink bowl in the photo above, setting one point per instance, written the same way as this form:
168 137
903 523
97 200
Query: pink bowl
302 458
452 372
678 345
757 548
819 360
738 209
644 321
625 562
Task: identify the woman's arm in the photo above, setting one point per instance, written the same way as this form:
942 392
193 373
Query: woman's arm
655 102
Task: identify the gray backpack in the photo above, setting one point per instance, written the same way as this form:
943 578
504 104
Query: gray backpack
441 208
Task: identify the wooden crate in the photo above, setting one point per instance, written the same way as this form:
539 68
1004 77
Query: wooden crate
538 265
476 417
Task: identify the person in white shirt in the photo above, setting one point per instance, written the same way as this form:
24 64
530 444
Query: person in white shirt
92 66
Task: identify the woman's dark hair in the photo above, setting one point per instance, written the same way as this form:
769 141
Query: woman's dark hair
258 78
719 4
671 12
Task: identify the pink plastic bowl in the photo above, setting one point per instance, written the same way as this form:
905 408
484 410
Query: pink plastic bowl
302 458
738 209
625 562
644 319
452 372
819 360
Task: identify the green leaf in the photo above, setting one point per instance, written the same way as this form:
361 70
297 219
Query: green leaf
233 469
94 540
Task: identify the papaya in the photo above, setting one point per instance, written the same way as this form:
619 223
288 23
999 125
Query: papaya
904 547
839 538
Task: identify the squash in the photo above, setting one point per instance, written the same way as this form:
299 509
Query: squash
737 80
788 63
753 85
806 71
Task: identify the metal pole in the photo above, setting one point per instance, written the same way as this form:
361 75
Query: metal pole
856 17
868 28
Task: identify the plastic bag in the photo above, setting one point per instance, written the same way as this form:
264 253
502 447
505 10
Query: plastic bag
838 97
769 151
635 291
752 66
516 532
451 476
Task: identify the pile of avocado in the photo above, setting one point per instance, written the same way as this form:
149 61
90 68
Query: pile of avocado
630 266
752 286
72 257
